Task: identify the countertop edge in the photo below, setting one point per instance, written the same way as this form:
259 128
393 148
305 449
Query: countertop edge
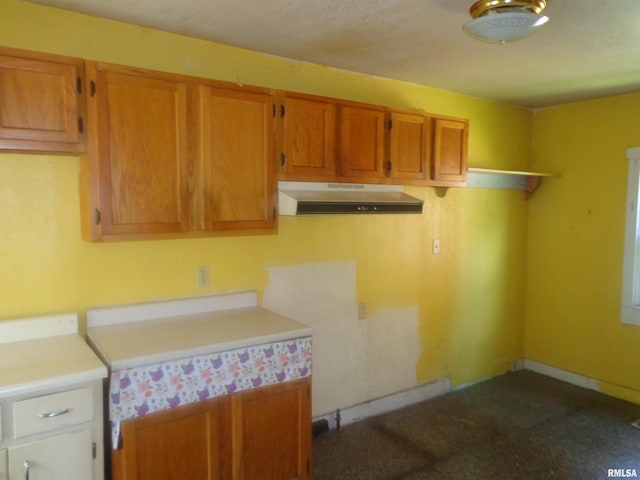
58 381
168 356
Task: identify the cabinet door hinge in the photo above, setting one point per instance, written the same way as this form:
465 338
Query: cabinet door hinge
79 85
80 125
389 166
92 88
94 450
283 159
273 110
274 213
282 111
390 124
98 216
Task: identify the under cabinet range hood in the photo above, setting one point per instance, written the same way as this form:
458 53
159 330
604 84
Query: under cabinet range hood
306 198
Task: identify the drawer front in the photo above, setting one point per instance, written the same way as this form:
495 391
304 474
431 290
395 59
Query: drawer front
50 412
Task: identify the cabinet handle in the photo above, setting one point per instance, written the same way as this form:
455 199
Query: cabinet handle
55 413
27 466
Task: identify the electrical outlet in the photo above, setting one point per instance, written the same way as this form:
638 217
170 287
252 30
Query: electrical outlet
435 246
363 311
203 277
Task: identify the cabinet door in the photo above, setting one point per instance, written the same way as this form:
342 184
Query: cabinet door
408 146
181 443
138 152
40 102
62 457
361 143
309 140
237 141
449 152
272 432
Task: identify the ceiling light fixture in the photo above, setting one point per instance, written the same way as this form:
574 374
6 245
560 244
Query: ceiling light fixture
502 21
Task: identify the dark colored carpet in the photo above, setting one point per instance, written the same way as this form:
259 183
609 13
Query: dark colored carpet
520 426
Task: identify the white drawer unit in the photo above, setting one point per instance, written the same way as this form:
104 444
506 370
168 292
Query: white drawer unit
51 415
51 412
4 468
63 457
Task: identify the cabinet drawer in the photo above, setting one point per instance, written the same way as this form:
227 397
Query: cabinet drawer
50 412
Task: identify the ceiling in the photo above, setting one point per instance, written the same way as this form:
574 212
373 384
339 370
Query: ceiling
587 49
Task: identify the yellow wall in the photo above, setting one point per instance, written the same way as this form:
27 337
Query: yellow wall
470 298
576 235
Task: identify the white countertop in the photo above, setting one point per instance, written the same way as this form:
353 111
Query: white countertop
154 340
32 365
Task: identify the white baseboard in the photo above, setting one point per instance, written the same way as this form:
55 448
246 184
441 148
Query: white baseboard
559 374
386 404
439 387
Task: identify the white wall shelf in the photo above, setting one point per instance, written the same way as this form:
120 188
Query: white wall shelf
510 179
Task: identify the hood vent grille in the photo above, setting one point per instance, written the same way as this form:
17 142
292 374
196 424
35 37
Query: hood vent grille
303 198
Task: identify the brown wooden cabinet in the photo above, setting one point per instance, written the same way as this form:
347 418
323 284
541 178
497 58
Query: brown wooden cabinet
409 142
309 139
236 149
361 144
185 442
272 432
326 140
138 155
449 157
175 156
41 102
258 434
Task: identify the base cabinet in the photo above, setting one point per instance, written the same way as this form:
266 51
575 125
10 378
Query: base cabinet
61 457
272 433
259 434
53 434
174 444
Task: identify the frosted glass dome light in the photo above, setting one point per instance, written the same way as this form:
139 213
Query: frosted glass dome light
502 21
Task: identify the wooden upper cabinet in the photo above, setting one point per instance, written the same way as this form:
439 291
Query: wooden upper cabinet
309 139
409 139
41 102
137 166
449 158
361 144
175 156
237 152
